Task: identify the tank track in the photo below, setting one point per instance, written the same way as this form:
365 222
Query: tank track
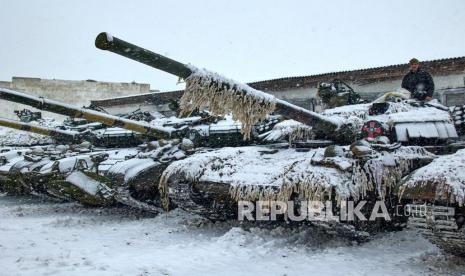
208 204
180 194
438 225
124 196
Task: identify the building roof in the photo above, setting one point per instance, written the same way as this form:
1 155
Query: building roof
361 76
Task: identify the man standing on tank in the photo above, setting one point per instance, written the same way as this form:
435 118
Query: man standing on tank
418 82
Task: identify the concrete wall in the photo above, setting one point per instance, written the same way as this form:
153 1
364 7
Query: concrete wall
78 93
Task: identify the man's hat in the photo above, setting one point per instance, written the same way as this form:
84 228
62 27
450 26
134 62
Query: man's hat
414 61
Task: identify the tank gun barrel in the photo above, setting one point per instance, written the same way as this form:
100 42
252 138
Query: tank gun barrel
57 134
88 114
105 41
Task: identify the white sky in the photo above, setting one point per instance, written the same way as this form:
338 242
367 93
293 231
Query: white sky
244 40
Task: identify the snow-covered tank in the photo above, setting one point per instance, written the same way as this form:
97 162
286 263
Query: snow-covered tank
211 182
436 197
168 170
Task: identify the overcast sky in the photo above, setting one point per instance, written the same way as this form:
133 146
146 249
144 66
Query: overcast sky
245 40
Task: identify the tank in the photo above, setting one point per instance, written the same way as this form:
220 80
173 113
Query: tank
364 152
68 184
20 167
390 137
90 176
435 198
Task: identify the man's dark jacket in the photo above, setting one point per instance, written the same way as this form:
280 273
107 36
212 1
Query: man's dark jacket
413 80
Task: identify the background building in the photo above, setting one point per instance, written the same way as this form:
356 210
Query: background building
79 93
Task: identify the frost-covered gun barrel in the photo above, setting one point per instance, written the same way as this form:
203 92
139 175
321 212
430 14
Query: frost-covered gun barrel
220 94
105 41
88 114
65 136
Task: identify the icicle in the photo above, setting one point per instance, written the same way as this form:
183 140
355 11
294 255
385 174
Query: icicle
221 96
311 176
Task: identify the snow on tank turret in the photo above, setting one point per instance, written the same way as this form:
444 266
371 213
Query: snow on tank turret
395 117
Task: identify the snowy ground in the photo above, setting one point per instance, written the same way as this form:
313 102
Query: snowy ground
45 238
